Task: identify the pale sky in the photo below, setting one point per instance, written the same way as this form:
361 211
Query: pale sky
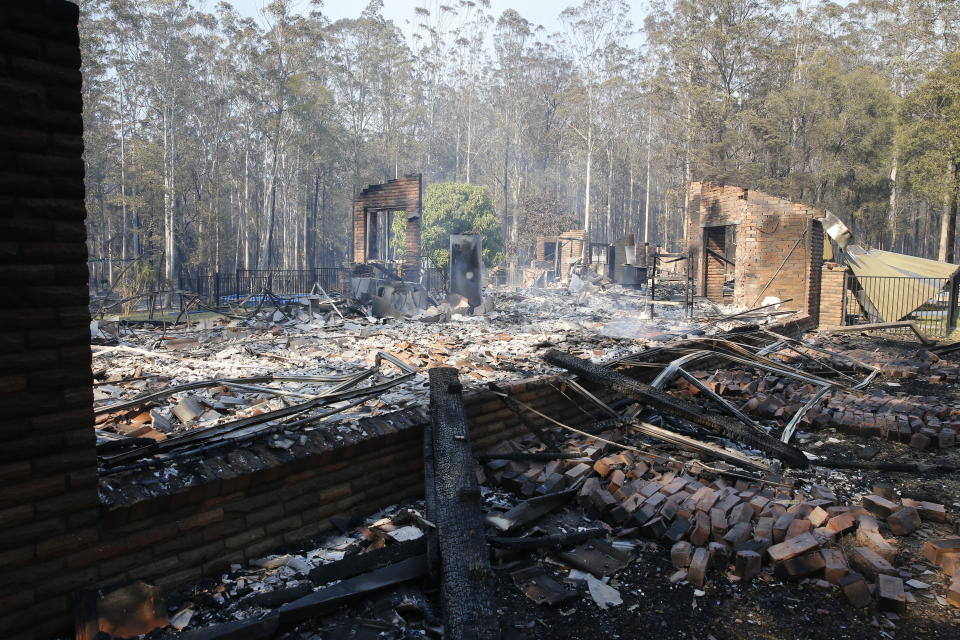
543 12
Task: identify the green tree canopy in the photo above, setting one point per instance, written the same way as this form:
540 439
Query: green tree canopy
455 207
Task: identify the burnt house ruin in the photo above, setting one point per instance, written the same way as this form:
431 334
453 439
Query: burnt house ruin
120 467
766 246
374 211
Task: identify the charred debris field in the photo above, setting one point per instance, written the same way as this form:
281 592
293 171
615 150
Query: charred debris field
565 479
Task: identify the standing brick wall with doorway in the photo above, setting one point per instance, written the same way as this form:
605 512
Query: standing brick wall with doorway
779 246
401 194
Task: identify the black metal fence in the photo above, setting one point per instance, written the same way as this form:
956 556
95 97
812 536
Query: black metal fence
220 288
931 303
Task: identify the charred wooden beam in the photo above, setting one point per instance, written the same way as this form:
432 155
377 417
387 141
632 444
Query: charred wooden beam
532 455
552 541
454 507
677 407
323 600
365 562
532 510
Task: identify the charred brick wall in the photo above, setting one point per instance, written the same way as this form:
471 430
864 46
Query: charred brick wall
571 250
541 247
815 270
779 245
569 246
244 503
48 497
401 194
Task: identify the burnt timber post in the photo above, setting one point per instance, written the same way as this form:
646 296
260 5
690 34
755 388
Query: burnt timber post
453 505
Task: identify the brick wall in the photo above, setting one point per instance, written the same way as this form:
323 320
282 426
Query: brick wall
832 284
405 194
541 247
815 269
571 250
248 502
48 499
779 247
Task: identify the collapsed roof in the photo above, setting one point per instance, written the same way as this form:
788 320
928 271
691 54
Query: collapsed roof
868 265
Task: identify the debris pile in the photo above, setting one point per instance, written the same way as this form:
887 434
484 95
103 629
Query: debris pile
690 463
883 411
157 382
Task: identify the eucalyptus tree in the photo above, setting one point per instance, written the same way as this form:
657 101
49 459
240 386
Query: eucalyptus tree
594 31
903 38
511 45
929 140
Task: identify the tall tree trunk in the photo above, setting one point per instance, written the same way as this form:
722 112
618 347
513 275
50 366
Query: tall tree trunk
688 139
586 190
608 232
646 198
893 201
630 201
169 206
124 235
469 150
506 223
311 240
948 220
266 258
244 209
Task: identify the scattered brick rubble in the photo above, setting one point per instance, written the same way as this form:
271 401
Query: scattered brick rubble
881 411
496 346
717 528
565 525
712 528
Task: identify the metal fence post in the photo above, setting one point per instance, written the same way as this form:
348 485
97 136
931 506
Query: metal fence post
952 303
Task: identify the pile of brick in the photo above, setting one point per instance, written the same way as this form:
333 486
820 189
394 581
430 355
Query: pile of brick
921 421
715 524
915 364
945 553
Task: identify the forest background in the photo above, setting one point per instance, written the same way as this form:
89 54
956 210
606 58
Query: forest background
218 142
